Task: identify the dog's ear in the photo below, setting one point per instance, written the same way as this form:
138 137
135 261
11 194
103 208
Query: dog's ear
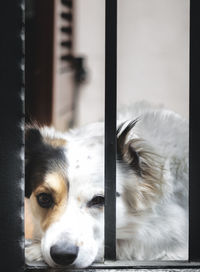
125 149
147 165
33 140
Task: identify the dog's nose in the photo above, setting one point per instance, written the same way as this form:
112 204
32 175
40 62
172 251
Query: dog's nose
64 253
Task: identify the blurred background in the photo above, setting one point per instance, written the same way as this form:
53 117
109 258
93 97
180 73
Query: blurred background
65 65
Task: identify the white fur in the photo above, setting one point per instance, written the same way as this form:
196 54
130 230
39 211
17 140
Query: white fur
157 229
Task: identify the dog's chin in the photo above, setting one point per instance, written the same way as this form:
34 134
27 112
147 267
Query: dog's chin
78 263
87 260
84 264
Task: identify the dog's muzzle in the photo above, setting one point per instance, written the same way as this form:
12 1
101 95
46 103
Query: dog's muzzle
64 253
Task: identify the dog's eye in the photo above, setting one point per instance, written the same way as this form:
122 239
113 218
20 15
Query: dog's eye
96 201
45 200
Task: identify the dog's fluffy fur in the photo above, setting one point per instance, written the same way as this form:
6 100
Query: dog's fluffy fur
152 188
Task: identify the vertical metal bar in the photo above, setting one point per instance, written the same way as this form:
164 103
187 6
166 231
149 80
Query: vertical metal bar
110 128
11 136
194 188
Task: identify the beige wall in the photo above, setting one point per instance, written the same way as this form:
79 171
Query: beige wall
153 54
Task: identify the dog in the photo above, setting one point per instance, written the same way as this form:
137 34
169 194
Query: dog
65 188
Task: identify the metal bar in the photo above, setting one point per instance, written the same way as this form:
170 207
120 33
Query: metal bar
127 265
11 136
194 188
110 128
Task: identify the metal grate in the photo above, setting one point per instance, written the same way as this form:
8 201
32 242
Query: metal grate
110 137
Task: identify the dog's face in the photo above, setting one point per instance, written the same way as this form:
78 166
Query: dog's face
65 184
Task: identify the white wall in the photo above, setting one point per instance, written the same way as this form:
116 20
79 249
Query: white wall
153 54
90 42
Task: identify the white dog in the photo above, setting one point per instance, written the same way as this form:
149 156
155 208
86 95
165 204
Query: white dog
65 187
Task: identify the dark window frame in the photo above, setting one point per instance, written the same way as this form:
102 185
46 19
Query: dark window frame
110 128
12 139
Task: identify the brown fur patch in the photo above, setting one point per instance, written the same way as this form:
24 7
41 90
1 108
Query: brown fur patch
55 185
149 184
55 142
28 226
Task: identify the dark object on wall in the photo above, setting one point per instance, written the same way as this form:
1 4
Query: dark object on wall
80 76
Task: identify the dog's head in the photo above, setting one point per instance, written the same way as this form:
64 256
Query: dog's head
65 185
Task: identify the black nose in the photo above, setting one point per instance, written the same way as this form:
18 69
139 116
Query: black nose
64 253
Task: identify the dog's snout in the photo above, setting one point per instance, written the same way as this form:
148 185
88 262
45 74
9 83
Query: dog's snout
64 253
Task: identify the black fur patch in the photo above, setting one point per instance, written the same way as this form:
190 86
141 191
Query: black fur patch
125 151
41 158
